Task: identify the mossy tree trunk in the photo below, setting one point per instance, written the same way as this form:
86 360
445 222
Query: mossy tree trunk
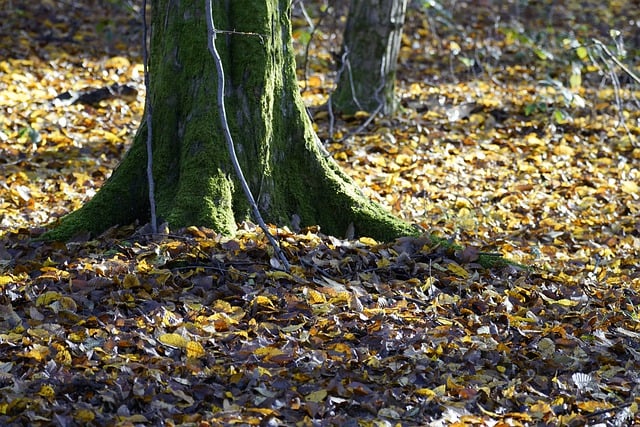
277 148
370 50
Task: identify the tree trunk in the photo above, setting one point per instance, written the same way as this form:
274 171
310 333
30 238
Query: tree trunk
277 148
369 56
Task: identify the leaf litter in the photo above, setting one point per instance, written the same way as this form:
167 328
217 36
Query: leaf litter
197 328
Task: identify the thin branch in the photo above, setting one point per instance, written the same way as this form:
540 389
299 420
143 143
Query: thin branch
148 109
379 108
352 84
363 126
228 138
343 63
602 51
616 60
314 28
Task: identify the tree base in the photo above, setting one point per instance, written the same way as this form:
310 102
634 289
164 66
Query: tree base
277 148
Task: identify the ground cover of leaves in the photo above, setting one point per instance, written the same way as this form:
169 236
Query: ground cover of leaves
507 141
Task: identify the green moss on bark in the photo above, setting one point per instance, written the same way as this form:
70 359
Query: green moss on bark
274 138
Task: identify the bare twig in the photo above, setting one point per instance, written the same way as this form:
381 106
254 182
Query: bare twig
212 32
379 108
314 28
148 112
364 125
602 52
619 63
352 84
343 64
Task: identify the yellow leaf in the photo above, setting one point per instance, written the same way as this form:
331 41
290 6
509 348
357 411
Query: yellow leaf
367 241
38 352
48 263
40 333
263 371
383 262
404 160
5 280
195 350
47 298
316 396
143 266
457 270
173 340
263 411
169 318
340 297
222 306
63 357
314 81
315 297
533 140
340 348
277 274
263 301
117 62
541 408
111 137
575 81
593 406
84 415
440 390
565 302
267 352
426 392
454 48
292 328
47 392
130 281
68 304
563 150
582 52
341 156
77 337
629 187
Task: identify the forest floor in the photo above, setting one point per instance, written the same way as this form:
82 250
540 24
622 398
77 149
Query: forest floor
516 134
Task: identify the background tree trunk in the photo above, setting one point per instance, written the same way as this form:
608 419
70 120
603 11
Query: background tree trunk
370 50
277 148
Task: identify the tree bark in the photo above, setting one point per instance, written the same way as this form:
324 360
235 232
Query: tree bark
369 56
274 139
